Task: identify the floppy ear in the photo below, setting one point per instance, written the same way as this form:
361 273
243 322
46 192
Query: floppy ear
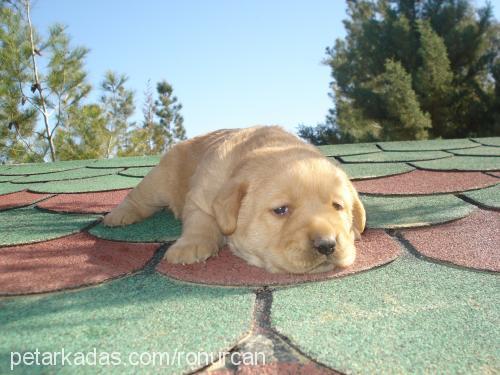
358 214
227 205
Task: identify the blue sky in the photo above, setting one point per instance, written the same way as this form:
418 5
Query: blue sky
232 63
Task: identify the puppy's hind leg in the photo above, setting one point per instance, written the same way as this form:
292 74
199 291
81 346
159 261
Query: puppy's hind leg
201 237
143 201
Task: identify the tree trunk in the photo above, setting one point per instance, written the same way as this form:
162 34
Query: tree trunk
38 87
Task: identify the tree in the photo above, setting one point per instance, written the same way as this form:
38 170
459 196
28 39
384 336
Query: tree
413 69
433 79
83 136
18 120
171 123
396 105
118 106
149 124
50 92
65 81
163 125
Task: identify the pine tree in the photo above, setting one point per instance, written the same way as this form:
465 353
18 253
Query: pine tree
171 123
162 124
66 79
83 136
49 91
118 105
397 105
443 56
17 118
433 79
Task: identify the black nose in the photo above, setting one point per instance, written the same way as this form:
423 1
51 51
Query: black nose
325 246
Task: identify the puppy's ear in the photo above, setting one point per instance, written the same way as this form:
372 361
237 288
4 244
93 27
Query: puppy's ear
227 204
358 214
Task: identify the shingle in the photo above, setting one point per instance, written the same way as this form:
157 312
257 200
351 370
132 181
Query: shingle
401 212
136 172
68 262
28 225
468 242
488 141
348 149
391 157
20 199
39 168
429 145
8 187
478 151
410 316
488 197
144 313
461 163
425 182
374 249
102 183
132 161
161 227
94 202
371 170
73 174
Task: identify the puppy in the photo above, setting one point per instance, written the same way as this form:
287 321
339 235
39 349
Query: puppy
277 201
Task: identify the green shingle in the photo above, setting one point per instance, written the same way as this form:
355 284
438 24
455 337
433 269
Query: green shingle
386 157
348 149
413 211
136 172
7 187
371 170
430 145
478 151
488 141
27 225
488 197
461 163
132 161
8 178
73 174
39 168
141 313
161 227
102 183
408 317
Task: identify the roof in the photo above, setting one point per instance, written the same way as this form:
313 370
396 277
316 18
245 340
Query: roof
421 297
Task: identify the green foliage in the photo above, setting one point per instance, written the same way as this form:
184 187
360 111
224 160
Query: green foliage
65 76
396 106
46 79
171 123
434 78
17 118
83 135
118 105
163 125
413 69
28 92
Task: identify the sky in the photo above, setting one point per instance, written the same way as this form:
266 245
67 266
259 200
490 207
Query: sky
232 63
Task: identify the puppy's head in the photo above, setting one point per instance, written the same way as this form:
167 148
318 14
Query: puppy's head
300 218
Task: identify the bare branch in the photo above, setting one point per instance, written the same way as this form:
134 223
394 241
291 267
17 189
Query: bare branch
37 84
21 138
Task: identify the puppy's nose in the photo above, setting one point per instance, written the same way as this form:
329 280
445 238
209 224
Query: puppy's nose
325 246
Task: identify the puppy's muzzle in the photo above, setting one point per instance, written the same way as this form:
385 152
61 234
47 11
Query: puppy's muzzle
325 246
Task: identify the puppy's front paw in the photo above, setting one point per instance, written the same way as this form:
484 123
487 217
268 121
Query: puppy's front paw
190 251
120 216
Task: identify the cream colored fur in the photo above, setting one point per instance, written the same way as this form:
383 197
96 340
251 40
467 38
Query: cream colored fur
224 187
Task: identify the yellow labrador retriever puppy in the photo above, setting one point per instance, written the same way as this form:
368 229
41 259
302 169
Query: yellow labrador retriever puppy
277 201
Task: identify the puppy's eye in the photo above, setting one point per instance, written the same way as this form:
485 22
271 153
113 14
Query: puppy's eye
281 211
337 206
